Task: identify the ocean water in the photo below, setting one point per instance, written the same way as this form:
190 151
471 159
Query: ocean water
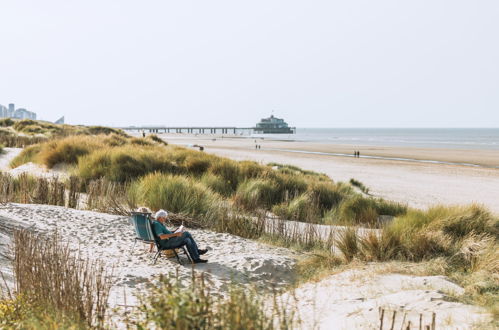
449 138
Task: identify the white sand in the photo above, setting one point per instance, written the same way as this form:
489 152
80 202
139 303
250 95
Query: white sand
352 300
6 156
110 238
349 300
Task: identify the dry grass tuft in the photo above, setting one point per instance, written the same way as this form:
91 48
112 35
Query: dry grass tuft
51 279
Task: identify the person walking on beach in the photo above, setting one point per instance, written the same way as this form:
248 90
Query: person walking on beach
171 240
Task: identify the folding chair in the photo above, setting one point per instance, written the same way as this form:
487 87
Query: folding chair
144 233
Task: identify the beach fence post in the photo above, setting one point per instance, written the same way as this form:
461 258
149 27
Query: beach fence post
382 311
393 320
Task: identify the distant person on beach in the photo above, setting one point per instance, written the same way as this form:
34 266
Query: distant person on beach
174 239
143 134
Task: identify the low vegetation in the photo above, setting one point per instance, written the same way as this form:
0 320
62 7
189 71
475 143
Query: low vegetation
169 305
53 287
249 187
465 239
22 133
118 172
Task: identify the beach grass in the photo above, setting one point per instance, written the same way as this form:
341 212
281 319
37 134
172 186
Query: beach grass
54 288
283 189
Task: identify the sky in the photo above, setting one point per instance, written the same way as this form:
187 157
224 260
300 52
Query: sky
358 63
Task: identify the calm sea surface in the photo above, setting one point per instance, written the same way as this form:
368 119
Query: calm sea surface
452 138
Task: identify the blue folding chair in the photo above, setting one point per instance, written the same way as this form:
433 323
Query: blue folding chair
145 233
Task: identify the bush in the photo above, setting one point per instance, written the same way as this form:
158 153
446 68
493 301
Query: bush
327 194
256 193
157 139
26 156
227 169
217 184
96 130
169 305
300 208
178 194
124 163
196 164
6 122
359 185
251 170
362 210
67 150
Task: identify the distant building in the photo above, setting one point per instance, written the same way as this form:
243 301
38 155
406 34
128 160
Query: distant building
11 110
60 120
3 111
273 125
20 113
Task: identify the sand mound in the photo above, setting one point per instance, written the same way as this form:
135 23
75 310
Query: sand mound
353 300
111 238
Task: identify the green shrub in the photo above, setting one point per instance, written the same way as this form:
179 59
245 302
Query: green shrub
227 169
122 164
327 194
300 208
157 139
96 130
359 185
140 142
255 193
196 164
251 170
362 210
6 122
348 243
67 150
179 195
169 305
287 186
217 184
26 156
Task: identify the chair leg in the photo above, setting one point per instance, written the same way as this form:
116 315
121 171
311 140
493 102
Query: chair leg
133 246
176 256
156 256
187 254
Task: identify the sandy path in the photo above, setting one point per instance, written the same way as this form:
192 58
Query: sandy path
6 156
417 184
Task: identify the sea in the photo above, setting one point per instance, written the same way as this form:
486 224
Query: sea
448 138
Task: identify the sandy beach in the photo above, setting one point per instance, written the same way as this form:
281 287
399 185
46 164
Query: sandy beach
347 300
418 184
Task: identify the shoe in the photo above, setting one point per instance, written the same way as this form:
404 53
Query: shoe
202 251
200 261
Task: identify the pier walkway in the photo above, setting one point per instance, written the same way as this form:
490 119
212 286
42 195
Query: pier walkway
196 129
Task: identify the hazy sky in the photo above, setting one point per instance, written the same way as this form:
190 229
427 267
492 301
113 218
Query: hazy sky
419 63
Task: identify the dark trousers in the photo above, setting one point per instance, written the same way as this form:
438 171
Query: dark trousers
186 238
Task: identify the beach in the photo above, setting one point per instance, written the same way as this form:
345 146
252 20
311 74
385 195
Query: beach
419 184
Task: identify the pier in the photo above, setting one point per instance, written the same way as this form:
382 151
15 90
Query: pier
197 130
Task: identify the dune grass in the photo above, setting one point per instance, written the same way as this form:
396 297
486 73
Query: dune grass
286 190
178 194
54 288
169 305
124 163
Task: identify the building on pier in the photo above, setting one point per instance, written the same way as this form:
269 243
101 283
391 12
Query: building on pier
273 125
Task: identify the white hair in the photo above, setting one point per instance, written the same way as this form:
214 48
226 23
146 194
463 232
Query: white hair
161 214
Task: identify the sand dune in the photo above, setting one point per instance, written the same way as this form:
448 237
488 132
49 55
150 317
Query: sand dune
110 238
420 185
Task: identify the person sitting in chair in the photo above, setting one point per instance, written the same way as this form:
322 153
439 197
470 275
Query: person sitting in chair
173 240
